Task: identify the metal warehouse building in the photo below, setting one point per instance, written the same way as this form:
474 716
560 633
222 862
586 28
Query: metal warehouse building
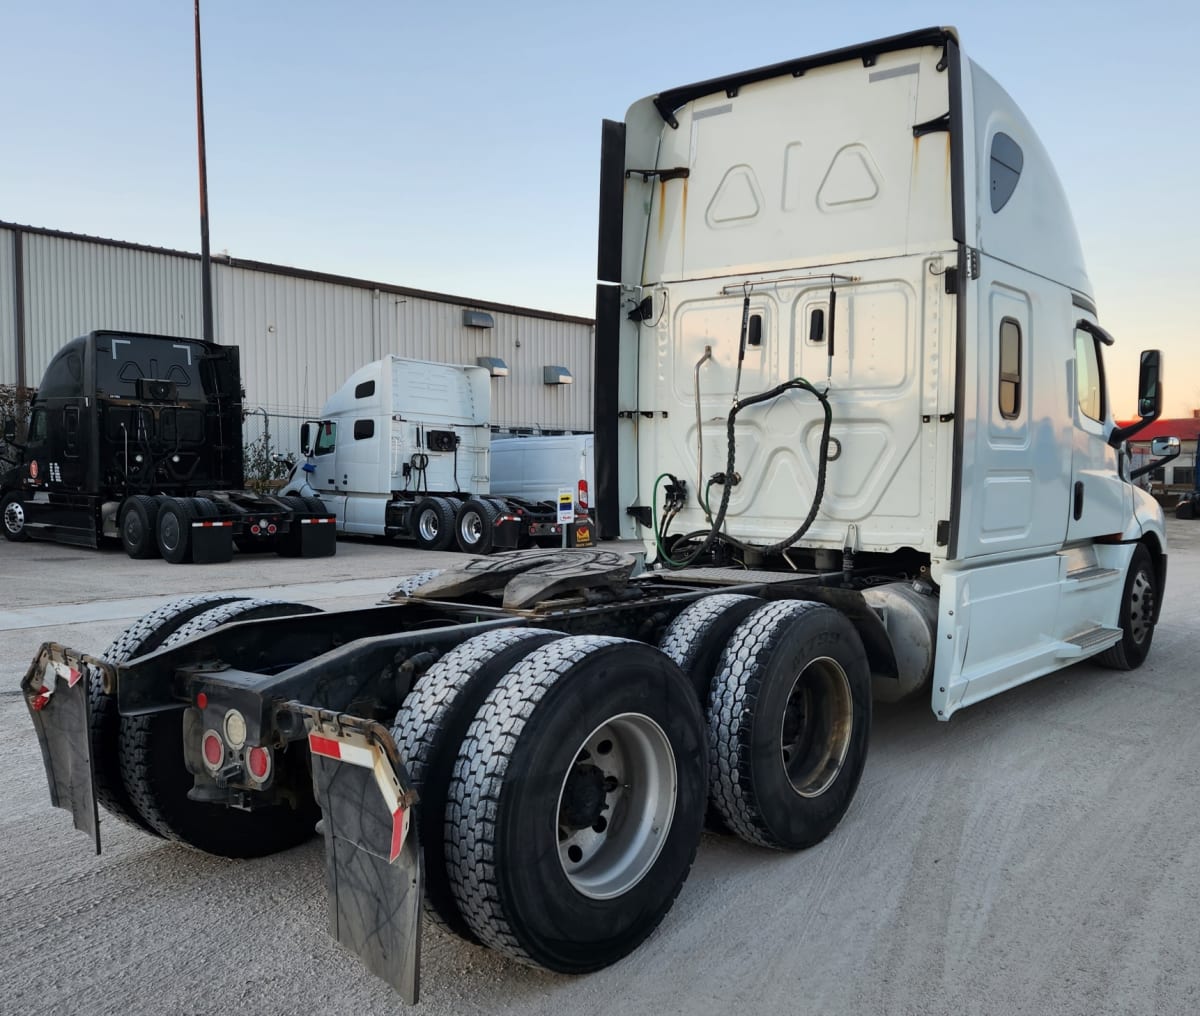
301 333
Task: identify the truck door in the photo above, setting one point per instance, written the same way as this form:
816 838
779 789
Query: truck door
1100 500
324 479
1017 457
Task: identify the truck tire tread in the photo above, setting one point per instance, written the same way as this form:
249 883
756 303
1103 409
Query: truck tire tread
143 636
428 731
733 703
473 813
148 765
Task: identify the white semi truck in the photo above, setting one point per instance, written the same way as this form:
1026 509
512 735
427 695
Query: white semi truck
403 450
850 396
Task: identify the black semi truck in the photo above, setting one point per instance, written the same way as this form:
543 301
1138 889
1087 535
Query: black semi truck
139 438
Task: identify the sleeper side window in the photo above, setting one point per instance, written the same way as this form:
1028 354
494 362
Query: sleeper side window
1010 369
363 429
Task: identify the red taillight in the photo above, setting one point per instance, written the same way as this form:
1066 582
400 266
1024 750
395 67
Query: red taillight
582 496
258 761
214 749
254 530
271 529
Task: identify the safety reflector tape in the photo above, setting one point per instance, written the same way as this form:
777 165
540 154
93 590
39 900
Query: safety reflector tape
315 522
342 751
210 524
365 755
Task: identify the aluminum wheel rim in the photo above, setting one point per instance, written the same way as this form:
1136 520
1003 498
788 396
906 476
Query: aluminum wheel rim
815 730
427 524
637 770
14 517
471 528
1141 607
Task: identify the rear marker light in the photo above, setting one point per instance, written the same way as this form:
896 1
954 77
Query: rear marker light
235 728
202 701
258 761
214 750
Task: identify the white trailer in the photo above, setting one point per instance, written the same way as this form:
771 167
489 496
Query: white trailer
850 396
538 467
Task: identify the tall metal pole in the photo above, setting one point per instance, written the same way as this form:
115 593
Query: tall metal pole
205 260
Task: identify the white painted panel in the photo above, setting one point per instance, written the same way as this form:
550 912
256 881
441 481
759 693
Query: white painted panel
794 171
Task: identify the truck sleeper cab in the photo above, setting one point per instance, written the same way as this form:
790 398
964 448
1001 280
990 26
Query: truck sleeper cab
403 450
139 438
874 409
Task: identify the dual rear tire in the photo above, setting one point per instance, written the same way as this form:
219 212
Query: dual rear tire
562 785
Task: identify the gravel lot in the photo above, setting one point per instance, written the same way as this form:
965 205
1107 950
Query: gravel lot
1038 854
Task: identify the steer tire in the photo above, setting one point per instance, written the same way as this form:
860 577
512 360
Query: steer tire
428 731
12 517
143 636
154 773
513 780
1139 609
793 669
139 526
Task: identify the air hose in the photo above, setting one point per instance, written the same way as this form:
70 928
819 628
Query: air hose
712 534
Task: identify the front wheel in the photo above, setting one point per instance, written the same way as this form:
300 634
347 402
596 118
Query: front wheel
12 517
577 801
1139 608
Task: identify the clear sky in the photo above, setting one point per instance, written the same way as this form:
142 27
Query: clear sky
455 146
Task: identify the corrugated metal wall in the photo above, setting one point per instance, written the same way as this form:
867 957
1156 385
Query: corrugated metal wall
8 331
300 337
73 287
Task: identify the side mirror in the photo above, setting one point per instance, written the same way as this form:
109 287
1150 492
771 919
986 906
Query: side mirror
1165 446
1149 398
10 430
1164 449
306 438
1149 390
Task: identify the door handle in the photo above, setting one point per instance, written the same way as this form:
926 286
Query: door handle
1078 500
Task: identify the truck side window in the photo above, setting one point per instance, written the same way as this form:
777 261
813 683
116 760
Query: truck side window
1010 369
326 434
363 429
364 390
37 426
1089 375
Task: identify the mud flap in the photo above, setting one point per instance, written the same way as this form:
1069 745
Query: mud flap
55 689
372 853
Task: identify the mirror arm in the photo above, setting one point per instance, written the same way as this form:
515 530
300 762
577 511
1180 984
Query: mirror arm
1120 434
1143 470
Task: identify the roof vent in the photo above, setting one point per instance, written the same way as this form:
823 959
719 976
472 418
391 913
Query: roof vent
496 367
478 319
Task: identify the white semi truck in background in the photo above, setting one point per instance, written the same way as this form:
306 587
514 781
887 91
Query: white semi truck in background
850 396
404 449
